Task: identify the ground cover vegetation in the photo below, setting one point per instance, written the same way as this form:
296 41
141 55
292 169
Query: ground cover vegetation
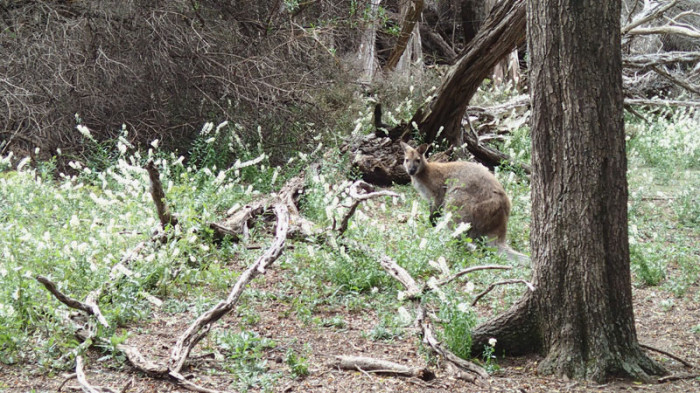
75 228
256 97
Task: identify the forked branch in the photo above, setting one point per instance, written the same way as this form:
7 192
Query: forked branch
200 327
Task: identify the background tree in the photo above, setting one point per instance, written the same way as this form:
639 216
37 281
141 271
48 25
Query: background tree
581 314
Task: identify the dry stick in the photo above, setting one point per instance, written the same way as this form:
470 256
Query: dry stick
645 61
368 193
429 339
166 218
672 356
667 29
200 326
65 381
90 307
80 374
677 81
382 366
642 101
471 270
654 13
677 377
504 282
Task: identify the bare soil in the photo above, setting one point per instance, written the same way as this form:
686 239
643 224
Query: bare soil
662 322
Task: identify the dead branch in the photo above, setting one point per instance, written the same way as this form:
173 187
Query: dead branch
90 307
238 220
80 375
201 325
647 15
430 340
381 366
672 356
402 276
422 320
504 282
667 29
678 377
413 13
680 82
488 155
65 381
166 218
354 192
471 270
659 102
645 61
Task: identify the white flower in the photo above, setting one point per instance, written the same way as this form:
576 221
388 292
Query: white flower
74 221
423 243
492 342
469 288
461 228
155 143
84 131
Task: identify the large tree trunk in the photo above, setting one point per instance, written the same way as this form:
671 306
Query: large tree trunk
580 316
502 32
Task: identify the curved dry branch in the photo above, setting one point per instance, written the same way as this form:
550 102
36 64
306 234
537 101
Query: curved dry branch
357 196
82 379
422 320
198 329
667 29
647 15
504 282
90 306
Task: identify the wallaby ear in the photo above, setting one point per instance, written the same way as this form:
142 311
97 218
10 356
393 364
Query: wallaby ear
422 149
405 146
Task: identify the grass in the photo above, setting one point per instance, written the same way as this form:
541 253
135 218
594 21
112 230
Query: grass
75 227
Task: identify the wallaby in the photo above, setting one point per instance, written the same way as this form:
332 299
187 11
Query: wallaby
468 191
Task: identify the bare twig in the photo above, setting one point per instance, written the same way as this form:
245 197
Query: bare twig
430 340
647 60
648 15
678 377
504 282
658 102
68 378
675 80
667 29
471 270
672 356
357 196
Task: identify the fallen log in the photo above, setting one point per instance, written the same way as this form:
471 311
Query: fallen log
380 366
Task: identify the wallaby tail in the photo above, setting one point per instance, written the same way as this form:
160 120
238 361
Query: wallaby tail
513 255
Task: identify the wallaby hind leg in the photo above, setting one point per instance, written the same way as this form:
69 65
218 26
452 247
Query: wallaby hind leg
488 218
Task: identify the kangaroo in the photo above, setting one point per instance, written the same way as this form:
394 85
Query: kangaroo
468 191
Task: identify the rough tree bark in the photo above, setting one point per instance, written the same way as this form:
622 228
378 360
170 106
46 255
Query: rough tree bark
413 11
503 30
580 317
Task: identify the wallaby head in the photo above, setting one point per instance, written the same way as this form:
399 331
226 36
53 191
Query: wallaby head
414 159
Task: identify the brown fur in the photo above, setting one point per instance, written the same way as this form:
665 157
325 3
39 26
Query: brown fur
466 189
